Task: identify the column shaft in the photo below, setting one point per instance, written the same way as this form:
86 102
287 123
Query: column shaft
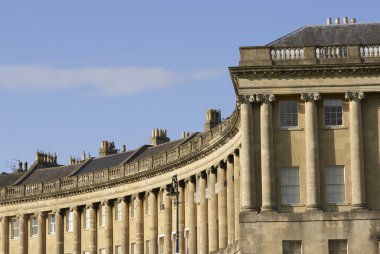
124 234
312 154
139 224
192 212
213 213
167 223
23 222
230 201
153 222
222 208
4 246
41 233
356 147
76 232
93 229
58 232
237 195
203 234
108 227
267 162
181 220
247 162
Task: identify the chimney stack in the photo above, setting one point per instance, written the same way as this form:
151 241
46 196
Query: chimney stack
337 21
328 22
345 20
352 20
213 118
186 134
159 136
25 166
107 148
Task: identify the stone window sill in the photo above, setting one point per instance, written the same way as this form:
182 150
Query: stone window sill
292 205
289 129
336 204
334 128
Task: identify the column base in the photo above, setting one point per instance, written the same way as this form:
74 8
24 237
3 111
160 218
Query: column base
313 208
356 207
248 210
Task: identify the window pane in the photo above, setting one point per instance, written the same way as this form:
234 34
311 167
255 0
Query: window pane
290 188
291 247
288 114
335 184
333 112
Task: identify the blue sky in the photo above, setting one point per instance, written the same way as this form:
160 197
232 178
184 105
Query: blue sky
74 73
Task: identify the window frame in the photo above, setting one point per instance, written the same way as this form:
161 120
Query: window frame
33 226
290 185
102 216
118 211
51 221
15 221
329 185
331 113
87 219
331 241
288 114
70 221
291 242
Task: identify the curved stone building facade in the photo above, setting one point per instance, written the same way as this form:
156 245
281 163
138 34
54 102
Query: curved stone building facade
295 168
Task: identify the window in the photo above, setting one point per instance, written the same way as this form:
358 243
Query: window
118 211
162 203
290 186
87 219
187 242
291 247
102 251
147 205
337 246
86 252
333 113
288 114
133 248
133 208
147 247
51 220
335 186
102 216
33 226
161 245
117 249
70 221
15 226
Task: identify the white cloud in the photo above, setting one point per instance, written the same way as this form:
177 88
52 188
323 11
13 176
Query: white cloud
108 80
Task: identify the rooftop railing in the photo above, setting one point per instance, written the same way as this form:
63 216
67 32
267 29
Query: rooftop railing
102 176
262 56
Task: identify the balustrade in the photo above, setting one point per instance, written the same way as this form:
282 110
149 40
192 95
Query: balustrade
370 51
331 52
287 54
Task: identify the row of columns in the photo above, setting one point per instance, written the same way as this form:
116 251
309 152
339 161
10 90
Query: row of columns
313 202
218 217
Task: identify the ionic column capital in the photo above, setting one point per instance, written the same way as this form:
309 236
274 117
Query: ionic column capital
90 206
57 211
310 96
74 209
354 96
246 99
190 179
39 214
202 174
265 97
4 219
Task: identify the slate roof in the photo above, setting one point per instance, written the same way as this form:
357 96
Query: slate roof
350 34
49 174
159 149
9 179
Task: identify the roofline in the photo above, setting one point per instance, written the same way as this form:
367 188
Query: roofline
287 35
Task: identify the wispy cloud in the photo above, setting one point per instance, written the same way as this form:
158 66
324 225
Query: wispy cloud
109 80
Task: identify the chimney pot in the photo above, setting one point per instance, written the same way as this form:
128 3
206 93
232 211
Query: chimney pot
353 21
328 22
123 148
337 21
345 20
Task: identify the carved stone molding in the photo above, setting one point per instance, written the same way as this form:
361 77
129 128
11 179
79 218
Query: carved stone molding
90 206
74 209
310 96
355 96
265 97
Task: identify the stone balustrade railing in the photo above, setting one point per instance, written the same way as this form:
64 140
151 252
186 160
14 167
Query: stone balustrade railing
188 148
265 55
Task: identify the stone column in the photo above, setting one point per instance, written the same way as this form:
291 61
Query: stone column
267 158
248 193
23 228
356 151
192 212
93 229
4 246
140 224
230 200
203 234
237 194
58 232
77 230
41 233
222 206
181 214
108 227
153 224
124 234
312 151
213 212
167 222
